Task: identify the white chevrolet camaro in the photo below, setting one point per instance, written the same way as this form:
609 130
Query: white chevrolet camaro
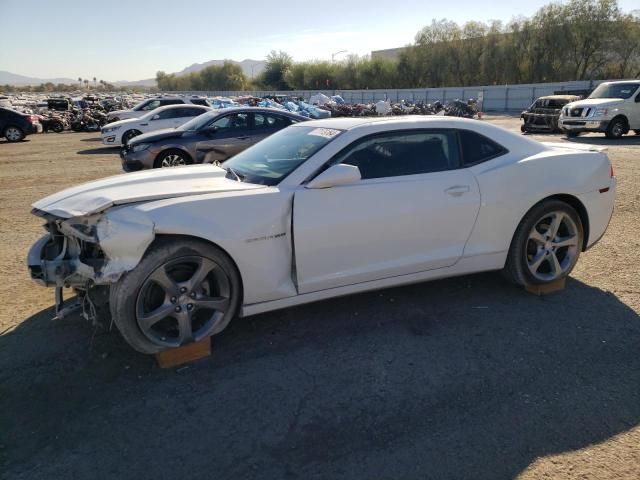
321 209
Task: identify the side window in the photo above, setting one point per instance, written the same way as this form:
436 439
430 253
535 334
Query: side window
477 148
167 114
199 101
235 120
189 112
172 101
403 153
152 105
262 120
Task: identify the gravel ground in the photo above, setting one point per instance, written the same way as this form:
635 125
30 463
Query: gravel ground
466 378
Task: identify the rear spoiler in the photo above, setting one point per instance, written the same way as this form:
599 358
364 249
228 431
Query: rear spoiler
576 146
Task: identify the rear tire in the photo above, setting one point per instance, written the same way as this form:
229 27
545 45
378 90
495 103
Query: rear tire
57 127
616 129
13 134
164 303
546 245
172 158
572 134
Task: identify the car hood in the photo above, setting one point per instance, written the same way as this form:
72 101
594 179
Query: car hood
157 135
94 197
595 102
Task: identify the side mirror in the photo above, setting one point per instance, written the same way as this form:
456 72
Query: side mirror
210 130
156 117
340 174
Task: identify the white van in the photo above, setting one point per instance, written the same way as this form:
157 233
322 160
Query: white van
612 108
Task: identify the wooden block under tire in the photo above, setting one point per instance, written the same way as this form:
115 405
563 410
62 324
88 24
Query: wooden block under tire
548 288
185 354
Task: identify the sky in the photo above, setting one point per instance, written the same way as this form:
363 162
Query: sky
132 39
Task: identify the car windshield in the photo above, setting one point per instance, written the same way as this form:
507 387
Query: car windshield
272 159
614 90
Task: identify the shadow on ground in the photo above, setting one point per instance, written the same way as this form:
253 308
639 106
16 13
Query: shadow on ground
93 139
99 151
626 140
461 378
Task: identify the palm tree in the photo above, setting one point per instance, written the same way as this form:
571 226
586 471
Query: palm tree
80 80
86 83
94 81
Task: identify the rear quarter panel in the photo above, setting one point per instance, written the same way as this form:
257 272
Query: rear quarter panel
510 186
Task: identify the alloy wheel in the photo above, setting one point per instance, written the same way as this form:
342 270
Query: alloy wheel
182 301
173 160
552 246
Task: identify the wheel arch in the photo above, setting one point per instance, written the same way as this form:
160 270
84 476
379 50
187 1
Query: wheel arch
172 147
578 207
164 237
621 116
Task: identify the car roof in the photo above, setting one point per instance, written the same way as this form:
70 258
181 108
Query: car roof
560 97
221 111
179 105
636 81
418 121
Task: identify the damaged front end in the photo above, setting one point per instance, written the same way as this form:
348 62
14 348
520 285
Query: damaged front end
88 251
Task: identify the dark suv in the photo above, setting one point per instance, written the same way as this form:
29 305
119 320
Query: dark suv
211 137
14 126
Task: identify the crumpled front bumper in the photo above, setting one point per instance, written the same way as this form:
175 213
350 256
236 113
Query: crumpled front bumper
580 125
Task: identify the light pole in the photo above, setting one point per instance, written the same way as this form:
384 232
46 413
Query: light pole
333 55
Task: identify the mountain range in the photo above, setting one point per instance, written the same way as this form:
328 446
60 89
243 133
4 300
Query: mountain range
251 68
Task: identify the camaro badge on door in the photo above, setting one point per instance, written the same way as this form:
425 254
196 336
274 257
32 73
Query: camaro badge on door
267 237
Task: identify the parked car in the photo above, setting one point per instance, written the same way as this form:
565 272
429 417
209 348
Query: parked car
612 108
543 114
15 126
212 137
151 104
321 209
172 116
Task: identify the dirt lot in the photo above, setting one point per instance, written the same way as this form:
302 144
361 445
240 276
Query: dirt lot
466 378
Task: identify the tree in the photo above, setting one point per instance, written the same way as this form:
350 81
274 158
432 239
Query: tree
275 71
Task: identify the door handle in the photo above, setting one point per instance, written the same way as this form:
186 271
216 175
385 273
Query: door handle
457 190
243 138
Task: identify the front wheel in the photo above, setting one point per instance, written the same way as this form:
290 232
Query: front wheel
572 134
172 158
546 245
616 129
128 135
182 291
57 127
13 134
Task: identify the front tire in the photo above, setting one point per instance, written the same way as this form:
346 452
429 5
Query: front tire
13 134
183 290
128 135
616 129
172 158
546 245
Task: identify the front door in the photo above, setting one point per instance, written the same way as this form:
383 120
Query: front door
413 211
232 135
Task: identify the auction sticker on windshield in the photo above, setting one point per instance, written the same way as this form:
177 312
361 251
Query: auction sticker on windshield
324 132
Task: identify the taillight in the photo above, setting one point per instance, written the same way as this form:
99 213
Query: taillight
32 119
611 171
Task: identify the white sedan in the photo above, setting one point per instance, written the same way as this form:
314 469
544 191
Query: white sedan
321 209
172 116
